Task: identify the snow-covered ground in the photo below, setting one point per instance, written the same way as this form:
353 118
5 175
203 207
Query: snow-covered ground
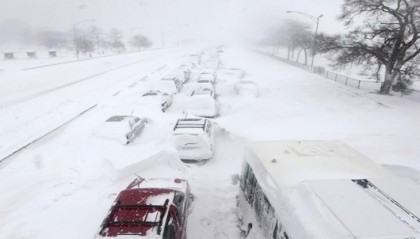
63 185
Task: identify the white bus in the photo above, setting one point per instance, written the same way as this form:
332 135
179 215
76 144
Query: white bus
325 190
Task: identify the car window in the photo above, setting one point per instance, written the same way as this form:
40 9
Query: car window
170 229
209 129
179 199
116 118
133 121
179 216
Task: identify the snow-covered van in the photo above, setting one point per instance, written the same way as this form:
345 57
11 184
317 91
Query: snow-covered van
152 208
323 189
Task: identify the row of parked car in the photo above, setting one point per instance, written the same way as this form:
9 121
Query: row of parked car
158 208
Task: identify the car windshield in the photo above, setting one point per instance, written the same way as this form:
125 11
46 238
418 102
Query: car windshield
118 118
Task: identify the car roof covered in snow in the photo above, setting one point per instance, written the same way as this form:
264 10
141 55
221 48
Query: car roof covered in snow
190 125
334 192
142 208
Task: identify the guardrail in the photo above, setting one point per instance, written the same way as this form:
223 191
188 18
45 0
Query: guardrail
411 94
346 80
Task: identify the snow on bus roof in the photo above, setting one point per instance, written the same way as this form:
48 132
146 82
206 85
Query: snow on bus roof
292 162
326 189
387 209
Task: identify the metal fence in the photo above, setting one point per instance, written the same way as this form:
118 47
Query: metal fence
411 94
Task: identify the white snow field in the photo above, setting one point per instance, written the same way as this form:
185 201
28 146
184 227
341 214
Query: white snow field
63 185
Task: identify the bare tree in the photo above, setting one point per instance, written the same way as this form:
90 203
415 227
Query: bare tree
115 40
140 41
84 44
388 36
293 35
97 34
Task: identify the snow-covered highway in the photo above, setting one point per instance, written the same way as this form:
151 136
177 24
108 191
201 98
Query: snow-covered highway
62 185
65 91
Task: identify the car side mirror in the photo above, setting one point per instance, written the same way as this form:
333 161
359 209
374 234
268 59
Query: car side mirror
235 179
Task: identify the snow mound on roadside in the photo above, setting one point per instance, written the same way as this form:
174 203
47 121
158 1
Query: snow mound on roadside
149 159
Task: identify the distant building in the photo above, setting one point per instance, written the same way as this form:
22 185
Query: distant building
9 55
52 53
31 54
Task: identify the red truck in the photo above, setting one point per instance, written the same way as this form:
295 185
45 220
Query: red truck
152 208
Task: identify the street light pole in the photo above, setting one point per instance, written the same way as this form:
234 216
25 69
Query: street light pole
314 45
76 46
316 20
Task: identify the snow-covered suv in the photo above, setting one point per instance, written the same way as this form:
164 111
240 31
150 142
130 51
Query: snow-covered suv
194 139
153 208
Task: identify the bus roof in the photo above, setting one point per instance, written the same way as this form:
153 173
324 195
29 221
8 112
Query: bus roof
292 162
326 189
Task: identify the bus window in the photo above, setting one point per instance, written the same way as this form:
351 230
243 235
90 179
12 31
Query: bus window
258 202
275 231
250 182
244 172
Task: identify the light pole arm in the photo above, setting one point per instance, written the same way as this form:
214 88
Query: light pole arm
314 19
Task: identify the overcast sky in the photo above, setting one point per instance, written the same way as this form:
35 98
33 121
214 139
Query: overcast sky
224 20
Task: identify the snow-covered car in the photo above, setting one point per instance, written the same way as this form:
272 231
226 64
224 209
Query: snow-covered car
152 208
164 85
194 139
122 128
165 99
247 88
235 72
204 91
182 73
178 83
207 77
202 103
192 87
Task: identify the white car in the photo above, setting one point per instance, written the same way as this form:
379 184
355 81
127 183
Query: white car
190 88
207 76
202 103
178 83
165 100
122 128
183 74
247 88
165 85
194 139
